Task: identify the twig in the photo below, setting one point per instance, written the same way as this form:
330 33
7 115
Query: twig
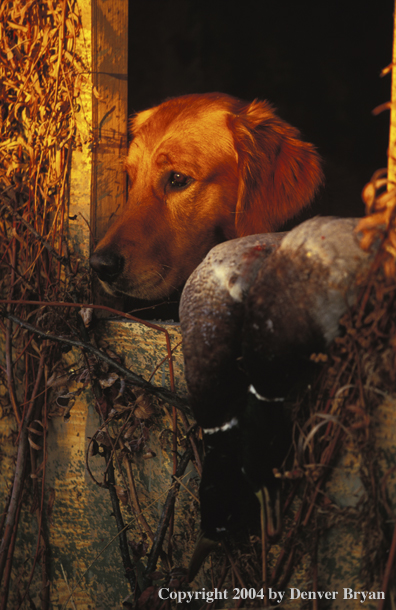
8 567
22 455
10 377
46 244
162 393
388 569
233 566
197 459
155 502
60 49
264 566
194 497
161 362
135 500
40 516
288 541
219 583
104 485
110 310
67 585
165 517
126 560
8 342
5 511
315 566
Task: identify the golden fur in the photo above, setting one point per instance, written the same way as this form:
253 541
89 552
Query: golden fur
202 169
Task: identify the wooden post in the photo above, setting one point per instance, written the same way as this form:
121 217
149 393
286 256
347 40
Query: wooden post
392 131
110 112
81 159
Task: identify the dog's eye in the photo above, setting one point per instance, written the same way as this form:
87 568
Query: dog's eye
178 180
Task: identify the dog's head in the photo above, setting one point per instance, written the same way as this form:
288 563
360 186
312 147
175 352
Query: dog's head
202 169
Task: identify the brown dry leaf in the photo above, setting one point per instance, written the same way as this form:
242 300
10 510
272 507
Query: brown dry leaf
139 550
367 240
98 96
368 194
86 313
104 439
57 380
385 198
94 448
374 221
319 357
33 444
386 70
108 381
149 454
150 599
34 431
129 432
112 355
144 408
390 248
390 268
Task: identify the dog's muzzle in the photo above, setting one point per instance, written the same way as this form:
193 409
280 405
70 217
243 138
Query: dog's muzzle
107 265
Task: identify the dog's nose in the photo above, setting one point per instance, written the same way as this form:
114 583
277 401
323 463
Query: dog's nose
107 265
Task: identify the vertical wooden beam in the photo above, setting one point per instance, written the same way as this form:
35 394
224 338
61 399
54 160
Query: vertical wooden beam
110 112
81 160
392 131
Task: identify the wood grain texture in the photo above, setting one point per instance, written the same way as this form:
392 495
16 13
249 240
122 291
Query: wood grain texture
110 114
392 130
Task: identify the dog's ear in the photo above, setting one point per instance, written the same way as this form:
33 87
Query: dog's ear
139 118
278 172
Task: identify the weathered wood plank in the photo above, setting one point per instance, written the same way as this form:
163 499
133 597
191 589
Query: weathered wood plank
392 130
81 160
110 113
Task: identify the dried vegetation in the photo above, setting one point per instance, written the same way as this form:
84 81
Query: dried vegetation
41 290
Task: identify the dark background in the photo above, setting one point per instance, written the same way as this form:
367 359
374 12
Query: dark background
318 62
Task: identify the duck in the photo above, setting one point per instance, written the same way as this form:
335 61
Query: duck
251 316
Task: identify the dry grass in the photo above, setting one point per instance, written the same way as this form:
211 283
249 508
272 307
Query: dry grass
40 284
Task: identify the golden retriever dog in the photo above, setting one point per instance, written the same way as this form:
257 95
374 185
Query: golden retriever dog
202 169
